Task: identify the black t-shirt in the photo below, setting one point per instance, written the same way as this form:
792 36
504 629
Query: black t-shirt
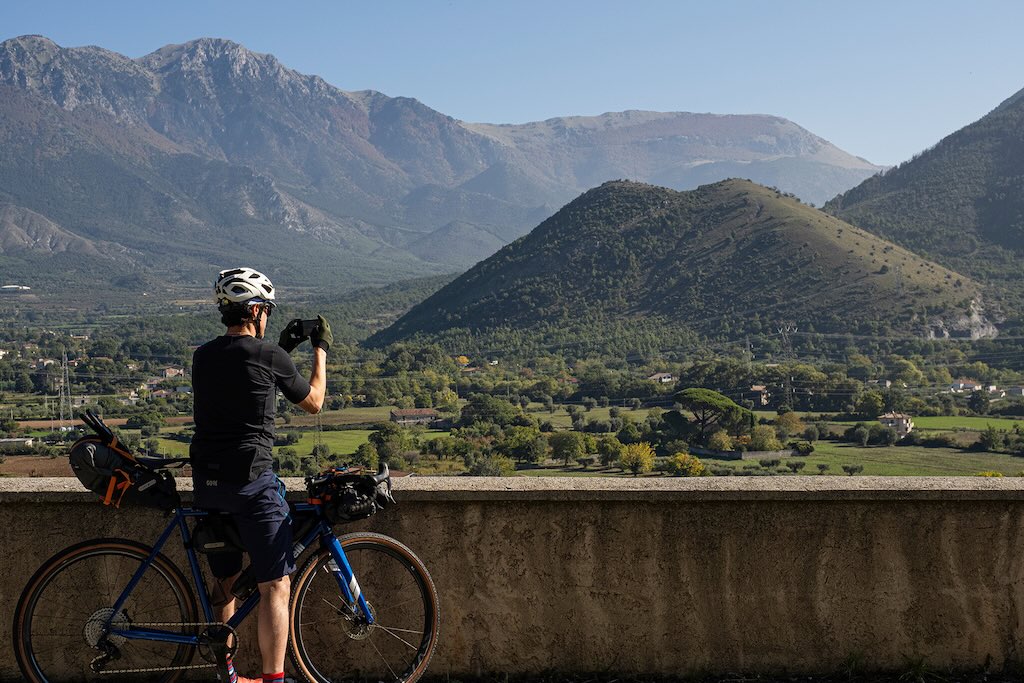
233 386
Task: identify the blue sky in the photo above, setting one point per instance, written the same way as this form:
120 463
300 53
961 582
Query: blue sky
883 80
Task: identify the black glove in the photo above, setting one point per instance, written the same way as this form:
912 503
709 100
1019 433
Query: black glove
292 335
321 336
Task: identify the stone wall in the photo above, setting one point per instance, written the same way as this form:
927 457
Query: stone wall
661 575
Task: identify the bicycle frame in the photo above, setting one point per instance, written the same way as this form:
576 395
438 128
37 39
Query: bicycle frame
322 530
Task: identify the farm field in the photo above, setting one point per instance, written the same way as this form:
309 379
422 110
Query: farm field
973 424
895 461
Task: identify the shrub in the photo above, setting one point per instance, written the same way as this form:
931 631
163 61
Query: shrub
763 438
637 458
769 463
720 441
822 467
686 465
853 469
492 466
803 447
795 465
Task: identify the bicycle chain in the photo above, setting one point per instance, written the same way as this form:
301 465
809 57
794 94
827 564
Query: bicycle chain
183 667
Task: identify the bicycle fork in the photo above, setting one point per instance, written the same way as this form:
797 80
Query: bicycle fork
355 601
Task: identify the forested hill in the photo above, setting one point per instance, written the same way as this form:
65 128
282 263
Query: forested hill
960 203
720 261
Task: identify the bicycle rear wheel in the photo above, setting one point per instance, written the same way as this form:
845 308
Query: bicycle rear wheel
330 643
59 617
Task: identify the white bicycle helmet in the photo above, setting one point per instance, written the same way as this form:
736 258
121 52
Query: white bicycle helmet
241 286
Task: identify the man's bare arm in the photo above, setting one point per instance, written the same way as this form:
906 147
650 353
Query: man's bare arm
314 401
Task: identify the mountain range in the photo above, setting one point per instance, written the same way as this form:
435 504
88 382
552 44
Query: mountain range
150 173
637 264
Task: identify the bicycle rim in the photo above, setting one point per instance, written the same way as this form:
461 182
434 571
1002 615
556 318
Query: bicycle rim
62 609
330 646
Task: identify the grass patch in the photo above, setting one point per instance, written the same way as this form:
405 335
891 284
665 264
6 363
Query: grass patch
896 461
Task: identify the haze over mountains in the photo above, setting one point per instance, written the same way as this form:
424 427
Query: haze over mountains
205 154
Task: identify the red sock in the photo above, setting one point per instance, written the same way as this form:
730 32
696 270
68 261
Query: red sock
273 678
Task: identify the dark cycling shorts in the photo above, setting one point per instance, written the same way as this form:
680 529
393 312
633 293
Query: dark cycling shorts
261 513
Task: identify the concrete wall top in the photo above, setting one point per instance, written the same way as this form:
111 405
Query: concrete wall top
659 489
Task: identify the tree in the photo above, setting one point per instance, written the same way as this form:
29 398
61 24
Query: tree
823 467
609 450
366 455
567 446
992 439
862 435
485 408
769 463
787 424
629 433
811 433
795 465
853 469
711 409
870 404
978 402
637 458
589 403
762 438
686 465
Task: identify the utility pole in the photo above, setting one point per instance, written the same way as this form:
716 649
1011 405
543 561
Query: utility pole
787 349
64 395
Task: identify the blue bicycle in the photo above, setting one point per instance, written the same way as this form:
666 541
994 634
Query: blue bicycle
363 606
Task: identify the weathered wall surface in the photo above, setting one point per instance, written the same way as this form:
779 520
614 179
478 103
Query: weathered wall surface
664 576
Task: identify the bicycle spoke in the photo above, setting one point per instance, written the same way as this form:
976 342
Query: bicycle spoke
383 659
393 635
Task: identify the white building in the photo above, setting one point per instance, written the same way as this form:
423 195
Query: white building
898 421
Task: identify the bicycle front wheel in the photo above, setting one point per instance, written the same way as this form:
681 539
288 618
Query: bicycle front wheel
332 642
58 623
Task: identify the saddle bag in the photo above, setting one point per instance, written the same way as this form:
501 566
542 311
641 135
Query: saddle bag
112 473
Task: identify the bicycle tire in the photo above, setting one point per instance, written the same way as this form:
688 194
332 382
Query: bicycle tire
327 647
56 615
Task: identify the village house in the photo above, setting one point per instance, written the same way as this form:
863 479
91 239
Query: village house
964 386
8 444
414 416
662 377
885 383
173 371
1015 391
898 421
760 394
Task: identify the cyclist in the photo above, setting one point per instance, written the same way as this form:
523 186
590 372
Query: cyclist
234 382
